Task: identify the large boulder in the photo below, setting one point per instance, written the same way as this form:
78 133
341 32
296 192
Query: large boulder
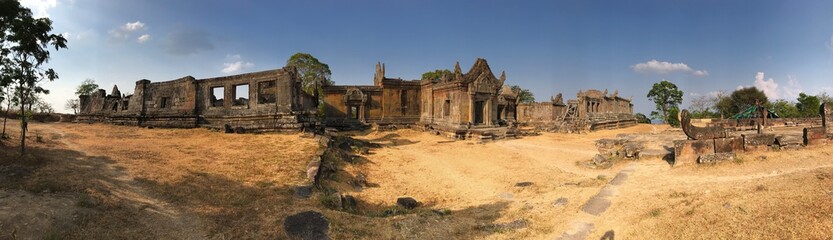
407 202
307 225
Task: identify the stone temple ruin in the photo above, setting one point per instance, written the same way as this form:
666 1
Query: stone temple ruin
591 110
716 142
252 102
461 105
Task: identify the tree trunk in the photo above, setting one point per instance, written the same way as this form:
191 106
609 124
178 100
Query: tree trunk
665 115
23 123
6 115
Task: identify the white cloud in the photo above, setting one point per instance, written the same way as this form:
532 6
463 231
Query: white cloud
769 87
701 73
658 67
792 89
773 90
144 38
133 26
39 7
235 63
126 31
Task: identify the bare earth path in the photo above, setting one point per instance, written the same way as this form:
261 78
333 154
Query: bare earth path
636 200
137 183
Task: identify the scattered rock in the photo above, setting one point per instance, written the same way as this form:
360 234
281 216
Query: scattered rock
227 128
302 191
716 157
632 149
442 212
506 196
307 225
312 173
337 201
600 160
360 181
348 202
523 184
608 235
560 202
407 202
344 146
727 205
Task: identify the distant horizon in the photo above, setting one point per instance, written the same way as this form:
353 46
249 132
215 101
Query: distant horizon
548 47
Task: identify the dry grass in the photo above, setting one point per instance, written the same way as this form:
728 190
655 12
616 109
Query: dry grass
101 181
166 183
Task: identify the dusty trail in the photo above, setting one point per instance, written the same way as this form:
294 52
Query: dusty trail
166 219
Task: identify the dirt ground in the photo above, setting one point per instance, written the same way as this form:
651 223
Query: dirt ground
99 181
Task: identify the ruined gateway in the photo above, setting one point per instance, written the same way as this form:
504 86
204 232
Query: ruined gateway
461 105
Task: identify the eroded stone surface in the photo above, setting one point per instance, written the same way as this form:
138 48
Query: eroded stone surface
308 225
687 151
716 157
758 142
699 133
407 202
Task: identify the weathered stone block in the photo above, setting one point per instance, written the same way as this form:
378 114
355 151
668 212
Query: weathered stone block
758 142
815 136
787 140
716 157
688 151
727 145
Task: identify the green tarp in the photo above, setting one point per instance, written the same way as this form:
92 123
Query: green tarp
752 112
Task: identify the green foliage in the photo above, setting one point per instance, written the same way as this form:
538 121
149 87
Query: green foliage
808 105
524 95
740 100
785 109
87 87
671 118
24 49
641 118
436 74
666 96
313 73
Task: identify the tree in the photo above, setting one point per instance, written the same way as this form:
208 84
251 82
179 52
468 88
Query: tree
87 87
824 98
641 118
43 107
436 74
9 96
25 43
72 104
742 99
524 95
666 96
701 107
313 73
785 109
808 105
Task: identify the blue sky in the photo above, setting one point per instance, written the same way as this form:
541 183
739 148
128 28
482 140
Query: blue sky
782 47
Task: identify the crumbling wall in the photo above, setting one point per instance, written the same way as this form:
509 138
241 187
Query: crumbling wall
274 101
543 113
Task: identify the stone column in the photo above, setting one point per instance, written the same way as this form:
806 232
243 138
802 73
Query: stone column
471 108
